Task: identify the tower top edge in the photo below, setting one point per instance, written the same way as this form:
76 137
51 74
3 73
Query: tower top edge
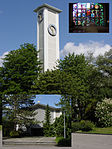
47 6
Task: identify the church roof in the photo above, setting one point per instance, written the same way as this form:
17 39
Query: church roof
36 106
49 7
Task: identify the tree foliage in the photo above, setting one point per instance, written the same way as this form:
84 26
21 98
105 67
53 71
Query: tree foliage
15 109
47 123
20 68
80 87
77 81
104 64
48 83
58 126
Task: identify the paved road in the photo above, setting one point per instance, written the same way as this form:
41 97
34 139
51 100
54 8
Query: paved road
79 141
31 143
33 147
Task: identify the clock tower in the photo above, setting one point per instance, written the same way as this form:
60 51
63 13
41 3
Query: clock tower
48 35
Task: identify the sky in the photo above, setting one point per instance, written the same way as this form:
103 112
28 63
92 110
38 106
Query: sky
18 26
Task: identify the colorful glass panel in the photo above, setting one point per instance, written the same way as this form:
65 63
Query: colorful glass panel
84 5
79 5
74 6
96 6
86 13
83 14
88 5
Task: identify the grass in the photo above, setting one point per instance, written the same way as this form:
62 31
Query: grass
0 127
107 130
62 142
58 139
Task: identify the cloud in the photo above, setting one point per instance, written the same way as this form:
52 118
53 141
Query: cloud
1 57
97 48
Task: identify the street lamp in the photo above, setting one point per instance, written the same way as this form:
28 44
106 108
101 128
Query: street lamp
64 126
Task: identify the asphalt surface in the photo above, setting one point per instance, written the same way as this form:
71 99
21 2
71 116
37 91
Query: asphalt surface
32 147
83 141
31 143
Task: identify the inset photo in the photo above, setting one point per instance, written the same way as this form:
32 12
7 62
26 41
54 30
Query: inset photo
88 17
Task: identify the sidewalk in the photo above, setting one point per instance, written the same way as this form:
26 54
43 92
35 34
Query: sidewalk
29 141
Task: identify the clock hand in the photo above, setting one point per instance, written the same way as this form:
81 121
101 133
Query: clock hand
52 29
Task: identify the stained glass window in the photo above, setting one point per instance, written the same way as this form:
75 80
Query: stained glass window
86 13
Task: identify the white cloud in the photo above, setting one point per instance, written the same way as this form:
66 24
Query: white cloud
1 61
97 48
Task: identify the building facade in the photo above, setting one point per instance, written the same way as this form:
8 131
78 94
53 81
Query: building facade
48 35
40 109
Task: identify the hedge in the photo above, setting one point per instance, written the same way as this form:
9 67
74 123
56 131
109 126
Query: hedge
0 127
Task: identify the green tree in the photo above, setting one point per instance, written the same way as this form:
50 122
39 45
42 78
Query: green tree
58 126
100 80
47 123
78 68
16 109
48 82
0 111
104 64
77 81
20 68
1 96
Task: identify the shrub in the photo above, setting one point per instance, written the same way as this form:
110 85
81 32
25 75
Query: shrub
76 126
83 125
104 113
86 125
64 142
0 127
14 134
8 126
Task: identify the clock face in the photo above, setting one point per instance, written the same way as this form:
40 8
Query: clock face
40 16
52 30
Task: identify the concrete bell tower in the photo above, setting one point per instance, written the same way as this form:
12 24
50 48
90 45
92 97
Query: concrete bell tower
48 35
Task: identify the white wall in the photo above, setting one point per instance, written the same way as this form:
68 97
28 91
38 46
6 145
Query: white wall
47 44
40 116
0 138
91 141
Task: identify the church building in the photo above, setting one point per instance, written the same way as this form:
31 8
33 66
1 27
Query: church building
48 35
40 109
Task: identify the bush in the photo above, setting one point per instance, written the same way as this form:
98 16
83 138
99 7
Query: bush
103 113
8 126
82 125
0 127
86 125
76 126
14 134
64 142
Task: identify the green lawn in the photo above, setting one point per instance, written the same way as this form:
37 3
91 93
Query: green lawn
107 130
